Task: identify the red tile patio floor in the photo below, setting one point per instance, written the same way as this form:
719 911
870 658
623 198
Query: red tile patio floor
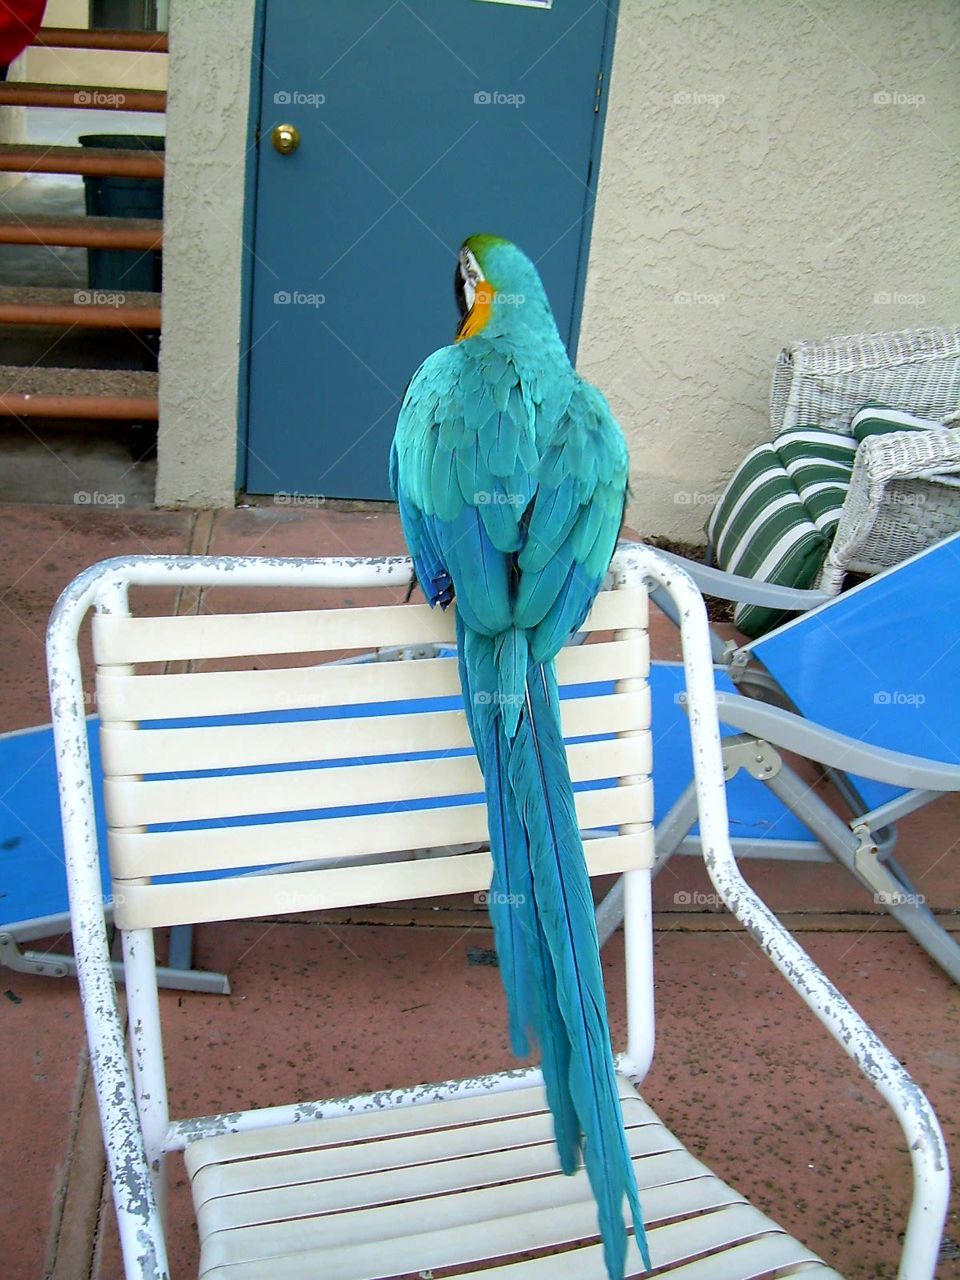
329 1004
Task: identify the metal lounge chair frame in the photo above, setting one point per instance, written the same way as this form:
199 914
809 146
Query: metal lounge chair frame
768 724
131 1091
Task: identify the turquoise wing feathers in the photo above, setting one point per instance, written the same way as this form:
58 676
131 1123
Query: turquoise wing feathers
530 534
573 522
510 474
463 477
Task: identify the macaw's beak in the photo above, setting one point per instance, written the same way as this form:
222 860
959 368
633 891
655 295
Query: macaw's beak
468 276
459 292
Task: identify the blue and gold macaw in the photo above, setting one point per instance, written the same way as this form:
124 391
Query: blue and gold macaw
511 474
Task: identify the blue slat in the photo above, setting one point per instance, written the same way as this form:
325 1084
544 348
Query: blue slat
32 880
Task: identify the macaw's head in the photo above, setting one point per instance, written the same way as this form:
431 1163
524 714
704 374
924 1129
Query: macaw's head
498 291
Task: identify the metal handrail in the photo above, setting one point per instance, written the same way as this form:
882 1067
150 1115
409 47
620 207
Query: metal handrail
93 233
31 93
85 38
98 162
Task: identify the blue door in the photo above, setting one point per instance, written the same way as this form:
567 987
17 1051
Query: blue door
420 122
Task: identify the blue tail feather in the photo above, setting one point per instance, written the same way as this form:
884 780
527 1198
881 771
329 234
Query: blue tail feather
542 911
541 783
525 965
478 680
547 1023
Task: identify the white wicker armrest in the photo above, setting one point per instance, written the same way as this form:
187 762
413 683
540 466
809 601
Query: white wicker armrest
879 528
907 455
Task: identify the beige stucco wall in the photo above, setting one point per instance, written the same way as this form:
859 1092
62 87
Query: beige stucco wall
754 191
203 251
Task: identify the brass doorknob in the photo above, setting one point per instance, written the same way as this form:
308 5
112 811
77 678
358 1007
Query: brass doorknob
286 138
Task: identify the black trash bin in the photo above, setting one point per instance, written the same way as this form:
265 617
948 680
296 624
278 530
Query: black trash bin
119 270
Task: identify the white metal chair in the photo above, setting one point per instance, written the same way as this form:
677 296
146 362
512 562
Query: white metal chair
440 1176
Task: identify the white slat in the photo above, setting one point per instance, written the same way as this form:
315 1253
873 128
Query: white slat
118 640
668 1245
510 1219
129 802
140 853
139 906
490 1205
310 1183
215 693
497 1103
754 1260
125 751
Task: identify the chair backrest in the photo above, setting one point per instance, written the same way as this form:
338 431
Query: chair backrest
827 381
263 756
880 662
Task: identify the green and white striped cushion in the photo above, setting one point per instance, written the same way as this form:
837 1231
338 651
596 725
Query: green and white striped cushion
820 464
777 515
878 420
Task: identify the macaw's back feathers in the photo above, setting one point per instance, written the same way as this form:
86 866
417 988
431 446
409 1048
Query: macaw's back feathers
510 473
465 468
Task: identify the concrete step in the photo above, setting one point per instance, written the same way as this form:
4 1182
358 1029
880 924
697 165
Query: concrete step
92 308
93 233
93 161
125 394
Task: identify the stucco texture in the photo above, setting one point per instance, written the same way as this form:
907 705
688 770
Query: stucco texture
769 172
203 251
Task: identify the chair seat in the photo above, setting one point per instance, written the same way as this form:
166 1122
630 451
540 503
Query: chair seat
444 1185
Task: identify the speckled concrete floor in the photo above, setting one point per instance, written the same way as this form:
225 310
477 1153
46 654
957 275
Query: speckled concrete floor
742 1073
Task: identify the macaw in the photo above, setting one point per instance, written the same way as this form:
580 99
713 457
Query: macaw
510 473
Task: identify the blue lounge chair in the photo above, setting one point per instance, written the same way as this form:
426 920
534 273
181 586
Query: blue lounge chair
33 885
867 686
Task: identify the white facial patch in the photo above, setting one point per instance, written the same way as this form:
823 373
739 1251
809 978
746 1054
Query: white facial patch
471 275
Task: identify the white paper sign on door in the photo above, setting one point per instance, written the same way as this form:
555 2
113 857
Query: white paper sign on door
524 4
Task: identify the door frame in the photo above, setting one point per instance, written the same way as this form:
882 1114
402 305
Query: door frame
251 181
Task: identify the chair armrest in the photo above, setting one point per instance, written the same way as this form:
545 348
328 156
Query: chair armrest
727 586
912 1109
881 460
794 732
908 455
731 586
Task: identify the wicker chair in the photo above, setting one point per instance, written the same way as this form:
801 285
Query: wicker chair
905 490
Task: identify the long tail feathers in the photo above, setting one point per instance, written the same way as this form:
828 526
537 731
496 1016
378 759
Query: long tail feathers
542 911
540 781
548 1027
478 680
526 967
